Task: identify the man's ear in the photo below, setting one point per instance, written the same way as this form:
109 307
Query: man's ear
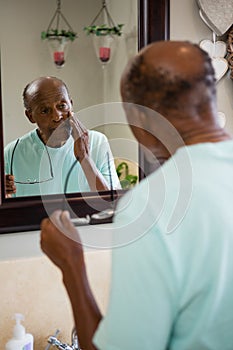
29 116
137 121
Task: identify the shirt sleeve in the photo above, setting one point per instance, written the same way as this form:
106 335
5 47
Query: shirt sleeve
103 158
7 158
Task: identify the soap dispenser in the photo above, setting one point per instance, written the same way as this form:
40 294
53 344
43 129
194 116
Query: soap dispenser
20 340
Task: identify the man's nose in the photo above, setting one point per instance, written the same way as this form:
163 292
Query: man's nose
57 115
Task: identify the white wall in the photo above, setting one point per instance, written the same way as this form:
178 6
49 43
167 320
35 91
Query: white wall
25 56
186 24
127 43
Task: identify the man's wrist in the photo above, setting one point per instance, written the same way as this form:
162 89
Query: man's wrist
73 265
84 160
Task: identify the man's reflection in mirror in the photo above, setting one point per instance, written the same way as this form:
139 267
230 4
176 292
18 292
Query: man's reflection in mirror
60 146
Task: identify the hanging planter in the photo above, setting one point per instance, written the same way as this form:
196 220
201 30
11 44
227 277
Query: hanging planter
58 39
58 42
103 39
104 35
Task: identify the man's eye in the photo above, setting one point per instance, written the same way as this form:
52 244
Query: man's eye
44 111
63 106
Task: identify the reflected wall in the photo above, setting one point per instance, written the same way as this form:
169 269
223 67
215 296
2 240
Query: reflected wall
194 29
25 56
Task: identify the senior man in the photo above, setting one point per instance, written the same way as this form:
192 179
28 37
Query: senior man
59 148
172 282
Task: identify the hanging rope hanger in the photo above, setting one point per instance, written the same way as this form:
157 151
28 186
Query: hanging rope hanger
109 28
54 26
57 16
103 10
58 38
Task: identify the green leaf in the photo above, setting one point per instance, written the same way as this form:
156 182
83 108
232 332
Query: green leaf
128 180
59 33
121 167
43 35
103 29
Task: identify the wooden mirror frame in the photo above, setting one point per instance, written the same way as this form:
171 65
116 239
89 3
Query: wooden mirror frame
25 214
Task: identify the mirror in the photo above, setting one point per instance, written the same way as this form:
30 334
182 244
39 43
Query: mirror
24 214
90 86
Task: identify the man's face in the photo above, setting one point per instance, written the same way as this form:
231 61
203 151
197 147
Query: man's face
50 107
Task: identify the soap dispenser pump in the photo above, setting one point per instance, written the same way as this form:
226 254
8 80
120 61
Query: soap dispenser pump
21 340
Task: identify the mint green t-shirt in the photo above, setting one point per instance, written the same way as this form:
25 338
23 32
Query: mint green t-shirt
31 161
172 259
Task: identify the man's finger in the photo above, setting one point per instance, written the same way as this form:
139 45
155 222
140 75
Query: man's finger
44 223
82 127
65 220
76 130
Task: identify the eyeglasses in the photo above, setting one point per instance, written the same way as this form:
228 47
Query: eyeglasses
71 169
68 177
30 181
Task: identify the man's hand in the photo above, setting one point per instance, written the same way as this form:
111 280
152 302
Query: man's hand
81 139
60 241
59 238
95 179
10 185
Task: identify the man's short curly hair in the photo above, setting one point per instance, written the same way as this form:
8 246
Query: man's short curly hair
145 84
28 86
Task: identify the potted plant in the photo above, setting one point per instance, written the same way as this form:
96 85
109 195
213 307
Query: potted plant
127 180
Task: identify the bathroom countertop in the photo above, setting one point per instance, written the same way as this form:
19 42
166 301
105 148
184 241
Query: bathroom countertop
27 244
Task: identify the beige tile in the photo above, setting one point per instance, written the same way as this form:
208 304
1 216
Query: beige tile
98 265
34 288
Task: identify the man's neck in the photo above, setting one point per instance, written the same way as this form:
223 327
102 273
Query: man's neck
200 136
53 144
